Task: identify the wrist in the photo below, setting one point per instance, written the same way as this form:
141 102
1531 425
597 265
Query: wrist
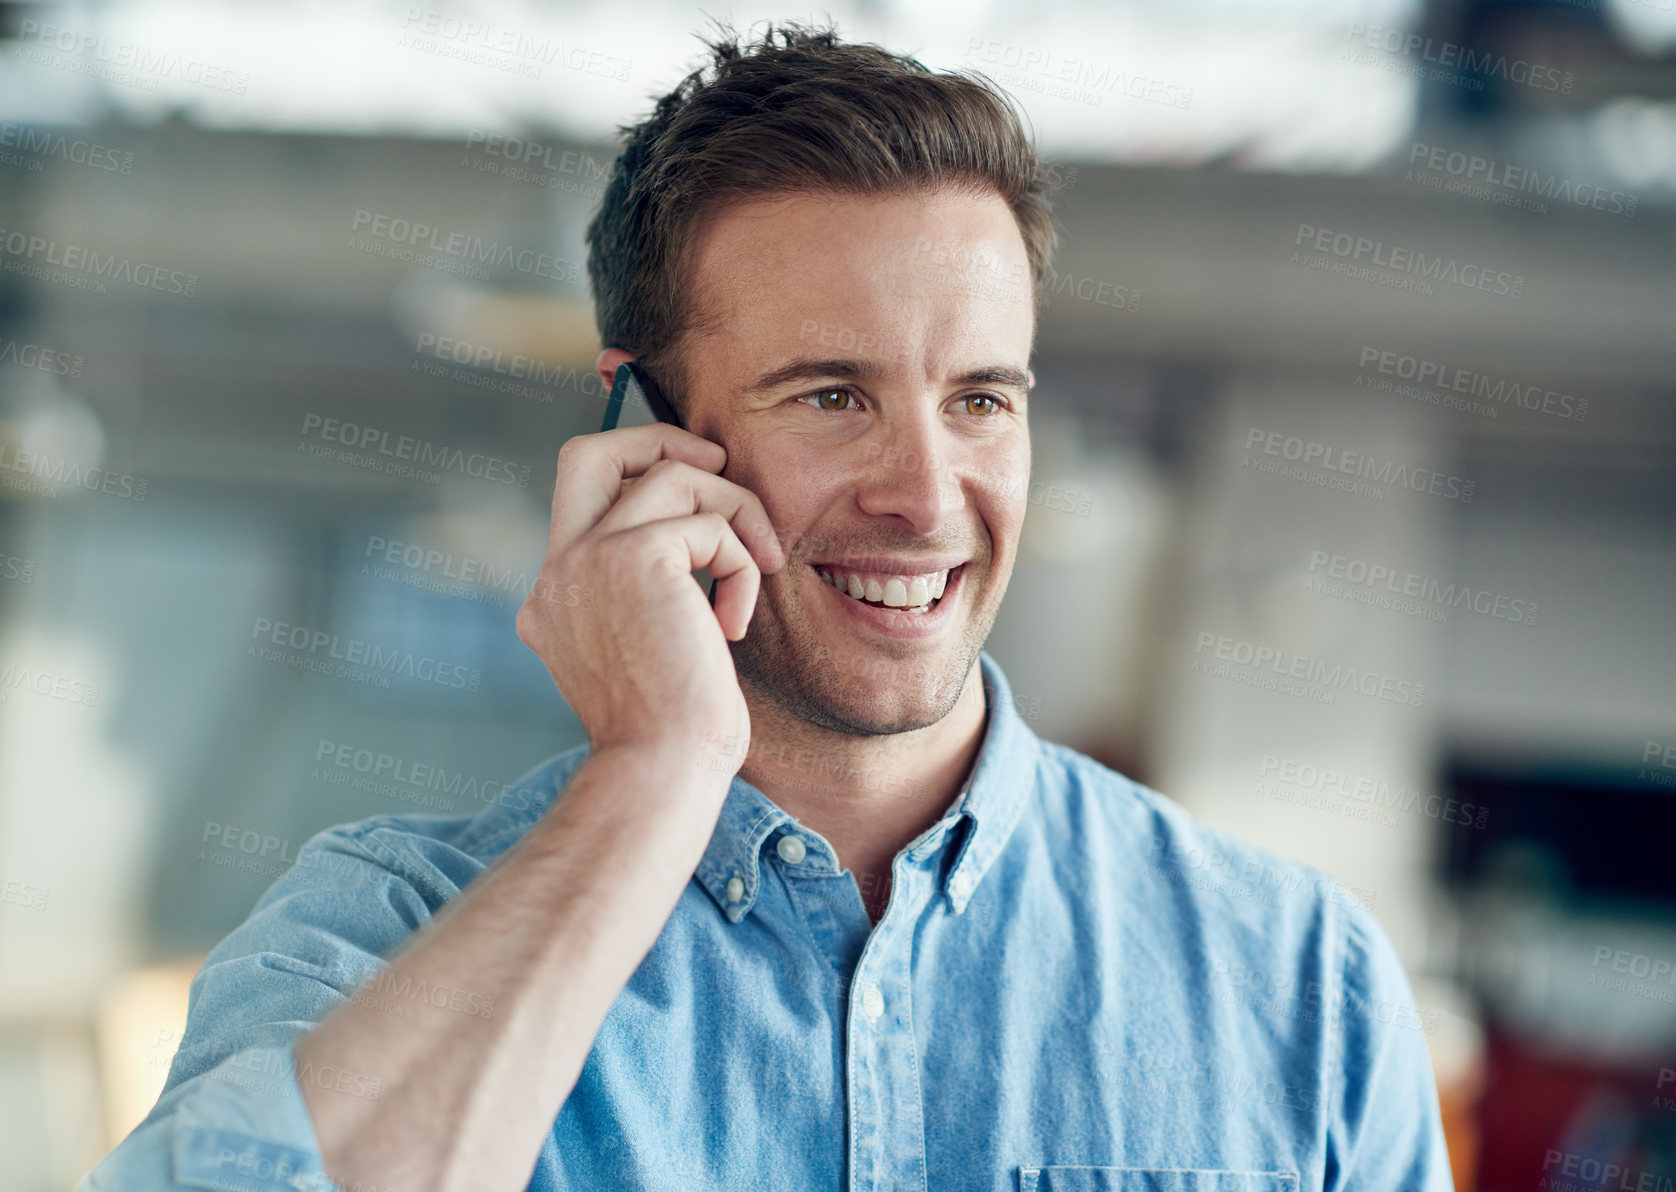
692 762
641 787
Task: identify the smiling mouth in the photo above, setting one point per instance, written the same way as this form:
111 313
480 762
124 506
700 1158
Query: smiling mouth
899 593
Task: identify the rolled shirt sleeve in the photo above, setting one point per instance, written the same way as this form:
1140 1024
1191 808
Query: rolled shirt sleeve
232 1114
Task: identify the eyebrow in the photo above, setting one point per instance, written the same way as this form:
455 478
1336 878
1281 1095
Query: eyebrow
866 370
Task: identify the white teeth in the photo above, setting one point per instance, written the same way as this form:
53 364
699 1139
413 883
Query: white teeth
913 595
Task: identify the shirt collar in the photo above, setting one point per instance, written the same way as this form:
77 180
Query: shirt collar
996 791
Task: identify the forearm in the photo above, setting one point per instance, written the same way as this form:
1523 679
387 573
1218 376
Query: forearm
550 936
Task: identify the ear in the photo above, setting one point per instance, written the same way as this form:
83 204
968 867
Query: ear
607 364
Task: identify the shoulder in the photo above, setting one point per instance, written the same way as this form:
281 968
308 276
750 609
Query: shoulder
438 854
355 892
1136 844
1124 814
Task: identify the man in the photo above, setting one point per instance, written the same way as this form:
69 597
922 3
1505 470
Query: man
812 909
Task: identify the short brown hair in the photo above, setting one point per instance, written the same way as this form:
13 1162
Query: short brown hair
808 115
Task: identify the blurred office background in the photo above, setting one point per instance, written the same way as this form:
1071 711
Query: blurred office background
1304 239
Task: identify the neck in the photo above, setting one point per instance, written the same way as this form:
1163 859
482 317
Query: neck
868 796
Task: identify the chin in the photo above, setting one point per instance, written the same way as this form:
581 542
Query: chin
856 695
861 710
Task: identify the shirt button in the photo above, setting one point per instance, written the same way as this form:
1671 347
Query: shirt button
872 1001
735 889
961 886
791 850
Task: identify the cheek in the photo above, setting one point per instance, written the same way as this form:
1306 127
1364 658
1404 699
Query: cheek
1006 524
792 488
1004 501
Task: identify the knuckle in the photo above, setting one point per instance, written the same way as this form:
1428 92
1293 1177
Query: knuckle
662 467
573 446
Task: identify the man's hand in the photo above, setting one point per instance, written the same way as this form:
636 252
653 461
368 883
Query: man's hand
641 657
552 931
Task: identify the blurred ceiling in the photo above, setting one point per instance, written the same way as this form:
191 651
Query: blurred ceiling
1321 87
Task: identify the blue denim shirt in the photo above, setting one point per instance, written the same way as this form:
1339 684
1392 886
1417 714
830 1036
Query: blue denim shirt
1076 986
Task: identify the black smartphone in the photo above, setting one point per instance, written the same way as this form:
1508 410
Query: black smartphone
636 401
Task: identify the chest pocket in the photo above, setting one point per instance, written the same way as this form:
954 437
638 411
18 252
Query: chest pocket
1143 1179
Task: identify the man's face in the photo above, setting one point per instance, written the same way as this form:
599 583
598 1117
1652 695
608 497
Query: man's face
898 448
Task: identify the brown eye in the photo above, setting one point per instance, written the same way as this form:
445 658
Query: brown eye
822 399
983 397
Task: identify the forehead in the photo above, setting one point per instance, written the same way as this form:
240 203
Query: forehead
923 282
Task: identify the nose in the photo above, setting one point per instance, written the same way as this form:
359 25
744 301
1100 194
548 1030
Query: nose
910 469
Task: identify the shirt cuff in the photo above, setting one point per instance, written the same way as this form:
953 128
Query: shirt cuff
246 1128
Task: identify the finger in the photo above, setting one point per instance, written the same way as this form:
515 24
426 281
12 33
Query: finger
675 489
592 467
707 540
